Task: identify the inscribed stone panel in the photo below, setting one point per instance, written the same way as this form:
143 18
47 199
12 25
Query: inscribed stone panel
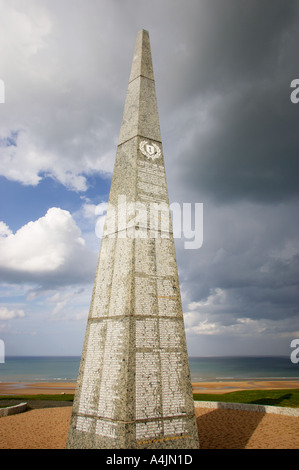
148 395
103 280
120 290
145 295
111 369
145 257
91 373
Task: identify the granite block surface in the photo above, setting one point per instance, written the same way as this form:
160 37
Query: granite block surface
134 386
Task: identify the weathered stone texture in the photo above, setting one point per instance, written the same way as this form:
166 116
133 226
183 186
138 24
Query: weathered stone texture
134 387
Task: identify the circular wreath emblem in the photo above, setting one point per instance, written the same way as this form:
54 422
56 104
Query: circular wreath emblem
152 150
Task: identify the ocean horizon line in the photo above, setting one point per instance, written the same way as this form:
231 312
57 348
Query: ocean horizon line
202 368
190 357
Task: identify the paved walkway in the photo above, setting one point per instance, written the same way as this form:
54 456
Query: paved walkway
218 429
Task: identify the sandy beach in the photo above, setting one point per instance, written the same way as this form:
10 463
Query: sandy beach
17 388
218 428
228 386
43 388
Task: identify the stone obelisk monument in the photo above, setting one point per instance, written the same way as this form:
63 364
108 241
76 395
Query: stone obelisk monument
134 388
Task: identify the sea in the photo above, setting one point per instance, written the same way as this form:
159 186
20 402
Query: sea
203 369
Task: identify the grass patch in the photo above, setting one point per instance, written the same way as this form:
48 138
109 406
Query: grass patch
283 397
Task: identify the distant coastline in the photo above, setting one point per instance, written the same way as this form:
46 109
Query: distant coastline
30 369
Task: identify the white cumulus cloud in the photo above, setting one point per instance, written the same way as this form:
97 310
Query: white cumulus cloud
57 121
48 250
7 314
4 229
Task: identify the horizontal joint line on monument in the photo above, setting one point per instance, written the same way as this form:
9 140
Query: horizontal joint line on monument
136 421
134 236
141 137
140 227
147 420
156 276
142 76
103 418
161 350
129 315
164 418
157 315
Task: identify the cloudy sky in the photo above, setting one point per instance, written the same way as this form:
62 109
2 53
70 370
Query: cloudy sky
223 72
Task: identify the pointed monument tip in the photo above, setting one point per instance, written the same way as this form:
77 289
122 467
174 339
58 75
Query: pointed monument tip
142 60
140 116
143 34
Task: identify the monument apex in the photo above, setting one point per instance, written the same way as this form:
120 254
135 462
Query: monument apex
134 386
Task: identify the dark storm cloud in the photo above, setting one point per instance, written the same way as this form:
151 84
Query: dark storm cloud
246 273
232 143
251 153
236 110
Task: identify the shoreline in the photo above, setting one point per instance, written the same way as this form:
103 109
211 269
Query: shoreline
47 428
216 387
226 386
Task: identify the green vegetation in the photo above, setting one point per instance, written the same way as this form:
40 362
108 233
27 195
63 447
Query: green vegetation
286 397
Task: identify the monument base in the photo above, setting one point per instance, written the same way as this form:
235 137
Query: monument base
139 435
